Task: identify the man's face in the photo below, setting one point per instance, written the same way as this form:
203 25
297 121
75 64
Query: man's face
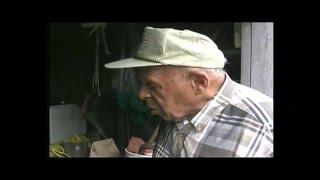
166 92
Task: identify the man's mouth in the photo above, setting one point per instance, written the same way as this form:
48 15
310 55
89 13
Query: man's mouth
153 111
150 107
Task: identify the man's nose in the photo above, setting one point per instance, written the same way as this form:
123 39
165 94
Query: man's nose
143 93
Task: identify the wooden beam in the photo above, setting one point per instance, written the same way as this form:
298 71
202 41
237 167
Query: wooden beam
257 56
262 58
246 53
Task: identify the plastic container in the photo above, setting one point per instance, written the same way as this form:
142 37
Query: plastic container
135 155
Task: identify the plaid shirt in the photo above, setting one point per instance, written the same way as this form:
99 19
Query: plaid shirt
237 122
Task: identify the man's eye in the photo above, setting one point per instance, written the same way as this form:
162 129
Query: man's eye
153 88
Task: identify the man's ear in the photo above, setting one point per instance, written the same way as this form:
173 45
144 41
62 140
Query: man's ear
199 80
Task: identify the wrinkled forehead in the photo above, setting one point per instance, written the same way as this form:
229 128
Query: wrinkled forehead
151 72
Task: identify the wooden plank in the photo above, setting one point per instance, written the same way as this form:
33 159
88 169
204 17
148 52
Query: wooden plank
262 58
246 53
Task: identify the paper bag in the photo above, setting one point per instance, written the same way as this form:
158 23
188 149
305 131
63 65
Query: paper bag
104 148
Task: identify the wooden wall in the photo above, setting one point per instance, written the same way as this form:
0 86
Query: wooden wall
257 56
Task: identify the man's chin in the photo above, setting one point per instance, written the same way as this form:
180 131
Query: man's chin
166 118
154 112
179 119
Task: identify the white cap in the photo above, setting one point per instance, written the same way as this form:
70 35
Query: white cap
166 46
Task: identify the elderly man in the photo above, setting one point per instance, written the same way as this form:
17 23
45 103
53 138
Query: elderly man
204 112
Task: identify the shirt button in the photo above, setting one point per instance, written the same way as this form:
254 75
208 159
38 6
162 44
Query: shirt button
200 128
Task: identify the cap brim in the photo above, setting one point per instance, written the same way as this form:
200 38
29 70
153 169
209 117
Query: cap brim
130 63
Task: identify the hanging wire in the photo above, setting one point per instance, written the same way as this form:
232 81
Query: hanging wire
96 84
98 29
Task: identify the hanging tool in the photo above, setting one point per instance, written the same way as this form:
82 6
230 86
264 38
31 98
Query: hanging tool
99 30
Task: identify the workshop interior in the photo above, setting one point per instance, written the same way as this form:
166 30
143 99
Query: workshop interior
94 111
